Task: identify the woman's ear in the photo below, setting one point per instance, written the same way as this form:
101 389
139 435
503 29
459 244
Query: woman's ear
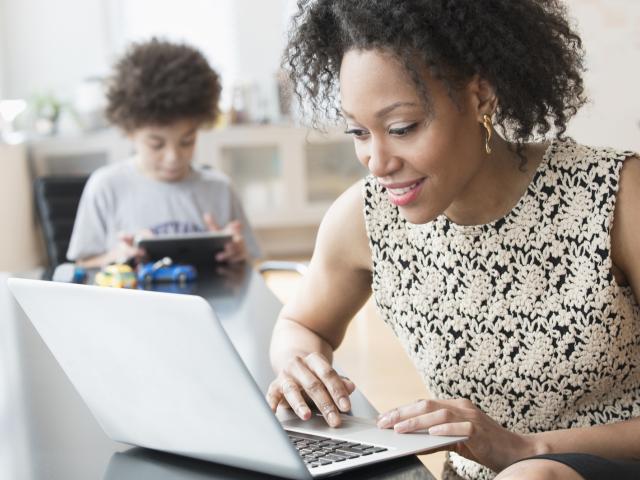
482 96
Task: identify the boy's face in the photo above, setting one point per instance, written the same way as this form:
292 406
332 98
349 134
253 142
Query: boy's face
165 152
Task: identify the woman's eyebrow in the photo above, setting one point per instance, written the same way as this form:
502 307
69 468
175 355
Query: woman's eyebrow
384 111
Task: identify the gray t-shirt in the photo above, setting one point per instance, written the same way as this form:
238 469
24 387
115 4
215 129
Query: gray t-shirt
120 198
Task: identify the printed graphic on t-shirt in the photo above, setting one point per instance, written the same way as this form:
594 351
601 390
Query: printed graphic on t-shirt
176 227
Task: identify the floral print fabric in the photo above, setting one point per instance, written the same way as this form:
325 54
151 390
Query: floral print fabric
522 315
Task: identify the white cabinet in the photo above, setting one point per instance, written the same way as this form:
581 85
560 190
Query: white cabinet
77 154
286 176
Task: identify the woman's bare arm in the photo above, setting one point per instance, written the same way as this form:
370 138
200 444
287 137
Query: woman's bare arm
313 324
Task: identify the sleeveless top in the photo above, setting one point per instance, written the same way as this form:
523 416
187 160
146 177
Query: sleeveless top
522 316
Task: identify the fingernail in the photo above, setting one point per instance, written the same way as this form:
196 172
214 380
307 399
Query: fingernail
304 412
383 421
333 419
400 427
343 403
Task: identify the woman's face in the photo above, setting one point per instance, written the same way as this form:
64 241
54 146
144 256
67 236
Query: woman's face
165 152
424 159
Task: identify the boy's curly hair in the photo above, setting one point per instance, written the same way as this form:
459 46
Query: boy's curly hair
525 49
158 82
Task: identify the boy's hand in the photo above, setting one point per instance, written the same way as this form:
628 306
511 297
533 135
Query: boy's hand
236 250
124 250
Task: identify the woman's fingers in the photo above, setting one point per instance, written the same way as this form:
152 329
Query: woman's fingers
312 379
427 421
292 393
457 429
334 383
421 415
349 385
274 395
398 414
318 392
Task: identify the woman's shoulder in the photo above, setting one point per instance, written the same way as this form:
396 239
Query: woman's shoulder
342 235
567 153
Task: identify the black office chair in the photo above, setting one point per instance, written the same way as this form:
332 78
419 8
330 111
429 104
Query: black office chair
57 199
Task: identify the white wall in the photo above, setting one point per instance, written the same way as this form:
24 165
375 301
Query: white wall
205 24
610 30
53 45
2 49
259 36
19 248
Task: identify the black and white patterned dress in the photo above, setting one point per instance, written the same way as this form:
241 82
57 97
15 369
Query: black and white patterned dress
522 315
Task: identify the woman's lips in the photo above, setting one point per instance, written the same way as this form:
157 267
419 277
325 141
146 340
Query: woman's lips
403 194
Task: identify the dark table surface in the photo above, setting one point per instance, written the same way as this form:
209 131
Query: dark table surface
46 431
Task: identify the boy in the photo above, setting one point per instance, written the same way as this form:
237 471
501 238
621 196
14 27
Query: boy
160 94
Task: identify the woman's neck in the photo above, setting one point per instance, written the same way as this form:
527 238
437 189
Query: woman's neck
498 185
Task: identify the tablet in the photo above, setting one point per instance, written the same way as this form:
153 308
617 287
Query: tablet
194 248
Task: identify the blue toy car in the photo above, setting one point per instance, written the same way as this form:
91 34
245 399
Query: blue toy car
165 271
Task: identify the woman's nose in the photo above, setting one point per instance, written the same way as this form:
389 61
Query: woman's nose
381 162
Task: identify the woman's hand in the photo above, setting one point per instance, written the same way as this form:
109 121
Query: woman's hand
489 443
311 380
234 251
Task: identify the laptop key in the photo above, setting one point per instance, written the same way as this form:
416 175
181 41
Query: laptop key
361 448
334 457
345 453
350 444
348 451
330 443
377 449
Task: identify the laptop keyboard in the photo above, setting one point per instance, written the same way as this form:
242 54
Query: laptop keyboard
317 451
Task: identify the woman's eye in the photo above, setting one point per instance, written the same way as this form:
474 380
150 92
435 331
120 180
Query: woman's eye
357 132
156 146
188 143
402 131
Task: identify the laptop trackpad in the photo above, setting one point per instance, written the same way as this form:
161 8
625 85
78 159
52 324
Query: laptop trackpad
317 425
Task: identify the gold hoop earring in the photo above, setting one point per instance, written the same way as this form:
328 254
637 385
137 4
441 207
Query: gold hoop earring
486 122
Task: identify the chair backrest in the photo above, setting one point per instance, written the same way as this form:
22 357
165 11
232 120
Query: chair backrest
57 199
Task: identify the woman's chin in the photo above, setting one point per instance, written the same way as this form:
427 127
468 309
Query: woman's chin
417 217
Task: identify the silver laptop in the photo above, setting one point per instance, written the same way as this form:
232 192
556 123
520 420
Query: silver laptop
157 370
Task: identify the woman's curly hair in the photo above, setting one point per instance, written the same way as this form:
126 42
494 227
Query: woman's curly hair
158 82
525 49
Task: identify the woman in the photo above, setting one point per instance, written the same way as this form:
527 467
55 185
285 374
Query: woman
505 265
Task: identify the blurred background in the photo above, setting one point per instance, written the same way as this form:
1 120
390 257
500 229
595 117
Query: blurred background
54 57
